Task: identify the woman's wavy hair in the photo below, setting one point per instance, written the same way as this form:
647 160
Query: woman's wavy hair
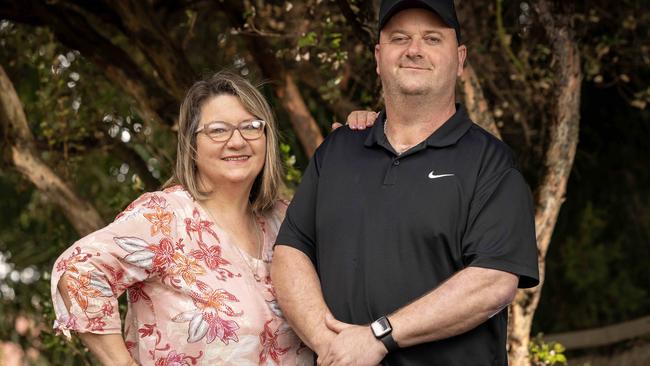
268 184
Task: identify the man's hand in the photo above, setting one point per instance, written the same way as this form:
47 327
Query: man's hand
358 120
322 346
354 345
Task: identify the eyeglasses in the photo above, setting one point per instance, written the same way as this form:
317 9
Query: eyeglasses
220 131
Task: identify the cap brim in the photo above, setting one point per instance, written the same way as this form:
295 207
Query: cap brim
409 4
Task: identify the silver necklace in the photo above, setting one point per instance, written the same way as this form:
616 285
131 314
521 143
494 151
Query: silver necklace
399 152
254 271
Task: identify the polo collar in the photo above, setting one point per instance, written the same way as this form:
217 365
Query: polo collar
446 135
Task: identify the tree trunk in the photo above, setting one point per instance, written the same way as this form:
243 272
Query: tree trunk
159 49
475 101
558 163
304 124
74 30
286 88
24 156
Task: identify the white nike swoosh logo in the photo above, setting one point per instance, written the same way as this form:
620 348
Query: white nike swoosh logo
434 176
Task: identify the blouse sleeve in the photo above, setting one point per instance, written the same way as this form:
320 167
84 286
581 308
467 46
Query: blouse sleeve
139 244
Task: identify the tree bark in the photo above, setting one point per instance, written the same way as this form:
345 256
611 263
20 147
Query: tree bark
286 88
304 124
558 163
475 102
75 31
159 49
23 155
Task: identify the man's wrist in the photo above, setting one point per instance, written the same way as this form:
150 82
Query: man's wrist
322 341
382 330
380 345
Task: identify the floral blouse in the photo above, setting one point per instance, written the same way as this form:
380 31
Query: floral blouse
192 295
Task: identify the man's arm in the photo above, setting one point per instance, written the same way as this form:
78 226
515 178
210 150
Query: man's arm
460 304
300 296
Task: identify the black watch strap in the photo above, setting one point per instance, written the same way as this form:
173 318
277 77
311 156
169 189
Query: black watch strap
389 342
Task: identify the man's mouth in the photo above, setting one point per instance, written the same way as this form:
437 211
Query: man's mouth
414 68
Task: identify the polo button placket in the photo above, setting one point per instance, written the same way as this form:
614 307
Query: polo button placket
391 173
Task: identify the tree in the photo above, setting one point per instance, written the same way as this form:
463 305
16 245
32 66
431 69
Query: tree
522 83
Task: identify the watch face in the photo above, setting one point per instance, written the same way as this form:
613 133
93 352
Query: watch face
381 327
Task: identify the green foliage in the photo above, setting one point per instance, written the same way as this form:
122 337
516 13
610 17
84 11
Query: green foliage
309 39
292 174
596 273
77 118
614 48
546 354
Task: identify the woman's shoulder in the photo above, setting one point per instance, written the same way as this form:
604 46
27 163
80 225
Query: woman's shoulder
169 199
278 211
281 206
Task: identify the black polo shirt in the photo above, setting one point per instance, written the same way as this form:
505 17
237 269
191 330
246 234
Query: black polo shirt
383 229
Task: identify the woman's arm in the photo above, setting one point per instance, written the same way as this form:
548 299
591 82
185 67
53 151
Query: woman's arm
109 349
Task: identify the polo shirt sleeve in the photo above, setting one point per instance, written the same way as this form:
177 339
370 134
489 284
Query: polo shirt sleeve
500 232
298 230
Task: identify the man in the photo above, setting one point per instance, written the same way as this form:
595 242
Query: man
405 242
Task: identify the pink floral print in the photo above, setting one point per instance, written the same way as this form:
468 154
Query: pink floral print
192 298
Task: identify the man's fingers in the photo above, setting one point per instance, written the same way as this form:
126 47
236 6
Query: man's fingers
336 125
326 359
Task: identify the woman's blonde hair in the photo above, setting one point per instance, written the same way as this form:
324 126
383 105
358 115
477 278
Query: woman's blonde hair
266 188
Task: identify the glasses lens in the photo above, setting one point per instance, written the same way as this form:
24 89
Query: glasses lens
218 131
252 129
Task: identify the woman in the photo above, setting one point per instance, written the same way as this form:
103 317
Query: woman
193 258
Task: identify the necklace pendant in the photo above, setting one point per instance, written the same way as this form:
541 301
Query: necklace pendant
257 277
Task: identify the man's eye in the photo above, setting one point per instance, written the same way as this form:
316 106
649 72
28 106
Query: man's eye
432 40
399 40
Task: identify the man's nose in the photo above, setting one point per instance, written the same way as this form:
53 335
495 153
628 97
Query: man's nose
414 47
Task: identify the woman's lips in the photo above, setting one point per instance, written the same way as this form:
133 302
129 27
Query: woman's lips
236 158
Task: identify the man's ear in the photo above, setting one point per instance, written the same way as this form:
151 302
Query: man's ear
462 56
377 46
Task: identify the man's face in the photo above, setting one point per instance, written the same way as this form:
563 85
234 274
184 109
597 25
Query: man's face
418 54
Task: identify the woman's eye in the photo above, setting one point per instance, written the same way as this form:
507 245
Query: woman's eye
255 125
217 130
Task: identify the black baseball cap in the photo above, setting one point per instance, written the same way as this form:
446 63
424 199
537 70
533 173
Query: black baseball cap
444 8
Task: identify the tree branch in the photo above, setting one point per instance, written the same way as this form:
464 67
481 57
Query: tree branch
286 89
73 30
558 162
81 214
475 101
361 31
159 49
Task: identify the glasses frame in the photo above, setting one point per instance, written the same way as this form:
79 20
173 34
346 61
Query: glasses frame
232 129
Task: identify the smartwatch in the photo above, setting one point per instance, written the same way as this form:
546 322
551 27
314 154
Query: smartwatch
382 330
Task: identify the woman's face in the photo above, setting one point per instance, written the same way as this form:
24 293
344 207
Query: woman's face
234 161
